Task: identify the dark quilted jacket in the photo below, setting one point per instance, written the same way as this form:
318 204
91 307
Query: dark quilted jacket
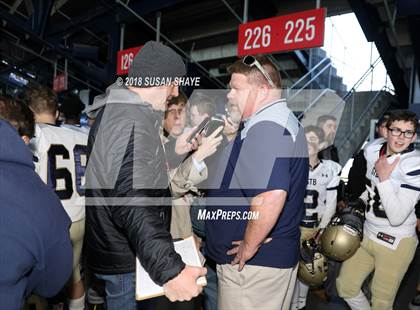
132 216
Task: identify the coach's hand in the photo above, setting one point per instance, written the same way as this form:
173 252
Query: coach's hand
244 252
184 286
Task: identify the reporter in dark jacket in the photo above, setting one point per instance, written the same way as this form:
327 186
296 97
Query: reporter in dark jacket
128 198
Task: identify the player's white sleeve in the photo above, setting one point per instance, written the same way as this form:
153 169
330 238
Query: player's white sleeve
399 202
365 196
331 199
336 171
34 146
330 207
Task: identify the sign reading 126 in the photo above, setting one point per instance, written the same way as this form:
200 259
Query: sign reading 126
125 58
282 33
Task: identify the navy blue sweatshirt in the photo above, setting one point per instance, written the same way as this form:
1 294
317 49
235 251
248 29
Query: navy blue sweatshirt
35 248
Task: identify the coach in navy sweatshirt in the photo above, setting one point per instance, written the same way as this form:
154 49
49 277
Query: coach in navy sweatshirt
35 248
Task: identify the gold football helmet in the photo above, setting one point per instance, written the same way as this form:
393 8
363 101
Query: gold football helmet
343 235
313 266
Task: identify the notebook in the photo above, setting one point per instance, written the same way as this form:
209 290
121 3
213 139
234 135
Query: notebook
146 288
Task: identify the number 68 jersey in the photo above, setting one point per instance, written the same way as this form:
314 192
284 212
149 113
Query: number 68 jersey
60 161
390 211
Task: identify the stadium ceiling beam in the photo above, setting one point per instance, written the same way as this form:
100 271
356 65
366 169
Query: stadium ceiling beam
40 16
57 6
74 24
52 62
372 26
28 64
96 18
15 6
171 43
89 70
29 7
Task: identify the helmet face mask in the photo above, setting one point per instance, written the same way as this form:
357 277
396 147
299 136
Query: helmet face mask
342 237
312 264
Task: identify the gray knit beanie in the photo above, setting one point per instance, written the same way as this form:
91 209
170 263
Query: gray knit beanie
154 63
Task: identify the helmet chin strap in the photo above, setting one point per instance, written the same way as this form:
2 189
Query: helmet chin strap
312 265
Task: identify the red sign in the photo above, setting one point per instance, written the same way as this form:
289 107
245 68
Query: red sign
125 58
60 82
282 33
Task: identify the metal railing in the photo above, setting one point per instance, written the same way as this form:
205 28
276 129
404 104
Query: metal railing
314 74
327 90
363 114
311 80
351 95
359 105
359 82
319 64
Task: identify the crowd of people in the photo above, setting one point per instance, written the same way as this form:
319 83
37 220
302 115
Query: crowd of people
81 204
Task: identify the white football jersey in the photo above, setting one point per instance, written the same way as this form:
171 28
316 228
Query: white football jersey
390 212
60 161
321 194
82 129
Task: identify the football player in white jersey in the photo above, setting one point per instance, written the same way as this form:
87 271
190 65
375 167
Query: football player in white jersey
61 162
320 200
71 108
390 241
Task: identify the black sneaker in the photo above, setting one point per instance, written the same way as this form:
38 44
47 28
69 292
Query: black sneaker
95 301
94 297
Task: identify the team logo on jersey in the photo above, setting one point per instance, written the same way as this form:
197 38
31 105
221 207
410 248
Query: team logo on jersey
385 237
324 175
311 181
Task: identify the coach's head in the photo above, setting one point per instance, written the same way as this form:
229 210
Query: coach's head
255 82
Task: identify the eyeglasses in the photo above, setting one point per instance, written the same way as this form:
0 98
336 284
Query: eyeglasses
396 132
252 61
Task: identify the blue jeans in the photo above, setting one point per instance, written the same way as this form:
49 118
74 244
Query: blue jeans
120 290
210 290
